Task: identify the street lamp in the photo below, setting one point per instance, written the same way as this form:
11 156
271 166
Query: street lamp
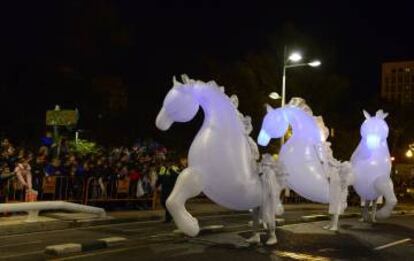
292 62
409 154
274 96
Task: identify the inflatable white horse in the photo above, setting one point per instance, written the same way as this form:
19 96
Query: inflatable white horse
312 171
220 160
372 166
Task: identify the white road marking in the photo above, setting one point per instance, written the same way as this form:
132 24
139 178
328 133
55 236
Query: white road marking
398 242
22 244
108 225
137 229
111 251
78 228
22 254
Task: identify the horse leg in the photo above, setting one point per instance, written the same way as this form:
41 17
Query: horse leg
188 185
334 222
272 234
385 187
365 211
374 211
255 239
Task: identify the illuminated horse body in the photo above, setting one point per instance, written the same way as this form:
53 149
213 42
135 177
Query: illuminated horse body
300 153
220 161
371 163
312 172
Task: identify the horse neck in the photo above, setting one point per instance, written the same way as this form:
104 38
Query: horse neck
303 124
383 148
218 110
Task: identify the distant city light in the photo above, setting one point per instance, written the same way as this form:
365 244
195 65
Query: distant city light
409 154
295 57
392 158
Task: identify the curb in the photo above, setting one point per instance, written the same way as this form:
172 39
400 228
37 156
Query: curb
402 212
72 248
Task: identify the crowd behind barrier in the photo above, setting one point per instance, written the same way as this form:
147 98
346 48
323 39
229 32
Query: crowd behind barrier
112 176
57 172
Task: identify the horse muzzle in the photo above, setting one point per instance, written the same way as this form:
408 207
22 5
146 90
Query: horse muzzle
163 121
263 138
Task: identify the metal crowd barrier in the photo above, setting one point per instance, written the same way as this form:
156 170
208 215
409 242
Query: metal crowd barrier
83 190
96 190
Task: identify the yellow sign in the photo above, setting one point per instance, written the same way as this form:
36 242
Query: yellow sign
61 117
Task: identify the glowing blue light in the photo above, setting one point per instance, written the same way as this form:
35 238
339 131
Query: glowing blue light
373 141
263 138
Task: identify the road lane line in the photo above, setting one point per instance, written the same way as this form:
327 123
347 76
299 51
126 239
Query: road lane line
22 244
107 225
137 229
22 254
96 253
77 228
398 242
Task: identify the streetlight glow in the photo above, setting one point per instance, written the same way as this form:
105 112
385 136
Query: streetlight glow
315 63
409 154
274 96
295 57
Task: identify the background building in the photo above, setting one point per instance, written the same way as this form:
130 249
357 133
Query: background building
397 84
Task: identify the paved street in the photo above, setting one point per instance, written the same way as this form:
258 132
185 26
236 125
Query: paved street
154 240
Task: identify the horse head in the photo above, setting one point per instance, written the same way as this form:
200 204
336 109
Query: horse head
374 130
275 124
179 104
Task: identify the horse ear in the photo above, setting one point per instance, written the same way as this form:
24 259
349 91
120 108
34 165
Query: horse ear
185 78
366 114
381 114
175 82
268 107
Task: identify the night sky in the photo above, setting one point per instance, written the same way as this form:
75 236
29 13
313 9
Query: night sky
52 50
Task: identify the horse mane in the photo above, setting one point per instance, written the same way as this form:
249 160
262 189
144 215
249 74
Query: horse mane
300 103
245 121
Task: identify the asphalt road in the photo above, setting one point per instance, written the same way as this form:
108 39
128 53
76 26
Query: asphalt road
153 240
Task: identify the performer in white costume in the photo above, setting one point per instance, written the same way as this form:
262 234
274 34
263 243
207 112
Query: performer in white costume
339 175
273 181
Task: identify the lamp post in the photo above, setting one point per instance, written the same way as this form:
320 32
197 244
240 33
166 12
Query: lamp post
291 61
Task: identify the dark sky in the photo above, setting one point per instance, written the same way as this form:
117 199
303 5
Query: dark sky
146 42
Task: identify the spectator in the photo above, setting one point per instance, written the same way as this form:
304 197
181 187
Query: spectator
5 174
167 177
38 170
54 168
60 150
23 171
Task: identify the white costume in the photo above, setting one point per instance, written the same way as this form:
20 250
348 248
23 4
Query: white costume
339 175
273 181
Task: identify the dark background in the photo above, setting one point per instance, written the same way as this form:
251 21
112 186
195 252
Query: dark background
114 60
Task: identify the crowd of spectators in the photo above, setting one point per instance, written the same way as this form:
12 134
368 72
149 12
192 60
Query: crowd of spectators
140 164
